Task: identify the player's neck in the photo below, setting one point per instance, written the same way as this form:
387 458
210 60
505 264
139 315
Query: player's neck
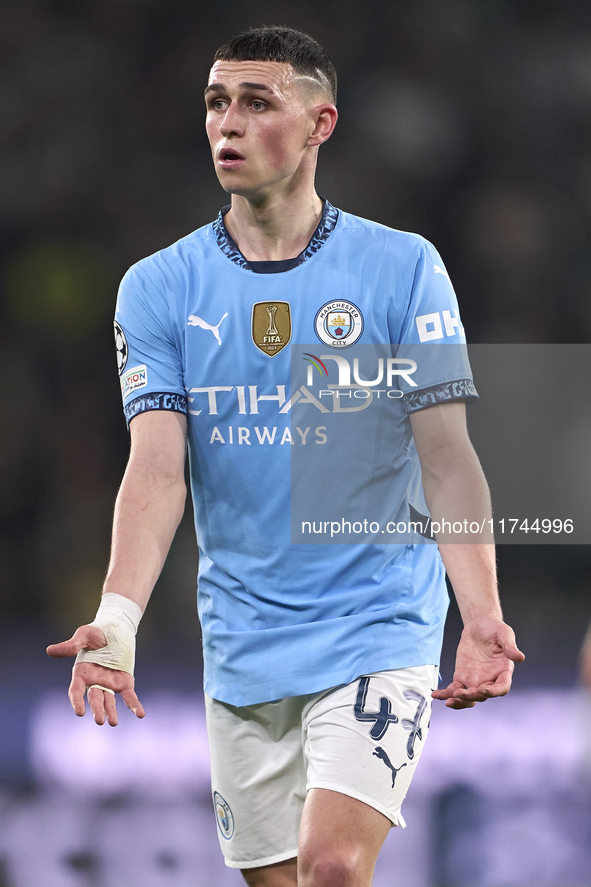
274 229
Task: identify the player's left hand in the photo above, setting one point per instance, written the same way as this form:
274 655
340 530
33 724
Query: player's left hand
484 663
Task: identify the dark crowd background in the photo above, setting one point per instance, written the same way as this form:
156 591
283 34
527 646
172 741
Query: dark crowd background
468 121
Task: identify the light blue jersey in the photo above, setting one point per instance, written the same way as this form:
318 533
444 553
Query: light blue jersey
202 331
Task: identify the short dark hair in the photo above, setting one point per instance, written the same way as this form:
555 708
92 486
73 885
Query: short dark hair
281 44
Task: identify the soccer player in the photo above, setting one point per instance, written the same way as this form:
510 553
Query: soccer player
320 660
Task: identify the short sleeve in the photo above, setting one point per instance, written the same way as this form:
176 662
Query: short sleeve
148 357
432 338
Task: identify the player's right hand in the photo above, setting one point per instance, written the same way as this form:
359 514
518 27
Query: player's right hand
87 674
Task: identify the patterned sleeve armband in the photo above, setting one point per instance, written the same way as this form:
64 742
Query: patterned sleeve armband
158 400
460 389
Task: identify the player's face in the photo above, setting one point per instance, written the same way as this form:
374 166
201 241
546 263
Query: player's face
260 120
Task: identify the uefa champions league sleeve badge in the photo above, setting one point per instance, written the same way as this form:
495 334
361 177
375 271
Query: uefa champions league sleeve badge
121 346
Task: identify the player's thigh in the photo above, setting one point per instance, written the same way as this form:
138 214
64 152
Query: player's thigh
365 739
258 781
340 839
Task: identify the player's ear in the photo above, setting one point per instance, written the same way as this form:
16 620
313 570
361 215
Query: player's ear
325 119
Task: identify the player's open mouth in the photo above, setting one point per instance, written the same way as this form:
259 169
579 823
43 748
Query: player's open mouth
229 158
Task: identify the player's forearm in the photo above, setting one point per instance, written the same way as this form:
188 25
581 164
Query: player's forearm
457 495
472 572
148 511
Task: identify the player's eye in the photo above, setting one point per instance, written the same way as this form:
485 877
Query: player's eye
218 105
257 105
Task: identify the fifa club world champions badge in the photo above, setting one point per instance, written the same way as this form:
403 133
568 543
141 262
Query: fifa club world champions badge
271 326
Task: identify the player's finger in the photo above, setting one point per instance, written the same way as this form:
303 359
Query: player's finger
96 700
65 648
512 652
510 648
87 637
111 709
472 694
459 704
71 646
76 693
132 702
502 684
447 692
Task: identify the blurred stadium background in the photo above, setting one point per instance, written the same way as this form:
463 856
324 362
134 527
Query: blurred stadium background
468 121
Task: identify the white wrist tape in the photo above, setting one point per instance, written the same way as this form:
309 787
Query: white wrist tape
118 618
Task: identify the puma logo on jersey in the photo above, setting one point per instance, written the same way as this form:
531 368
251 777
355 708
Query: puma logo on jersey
383 756
198 321
439 270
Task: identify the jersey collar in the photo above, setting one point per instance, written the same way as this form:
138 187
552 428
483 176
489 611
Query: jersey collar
230 249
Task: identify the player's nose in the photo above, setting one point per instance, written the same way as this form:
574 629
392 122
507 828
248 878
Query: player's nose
232 123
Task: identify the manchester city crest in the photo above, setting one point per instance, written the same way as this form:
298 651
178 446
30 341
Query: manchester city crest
224 816
339 324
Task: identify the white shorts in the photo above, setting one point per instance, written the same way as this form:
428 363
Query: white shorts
363 739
